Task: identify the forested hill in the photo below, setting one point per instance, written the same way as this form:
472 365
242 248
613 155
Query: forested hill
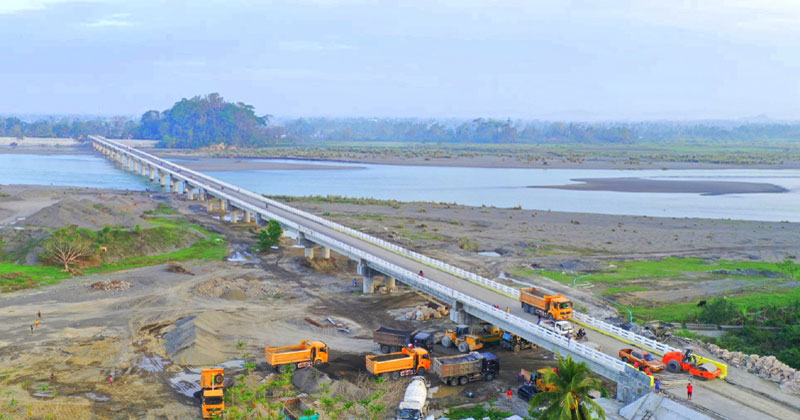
206 120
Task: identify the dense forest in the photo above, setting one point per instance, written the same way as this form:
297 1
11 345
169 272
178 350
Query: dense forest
205 120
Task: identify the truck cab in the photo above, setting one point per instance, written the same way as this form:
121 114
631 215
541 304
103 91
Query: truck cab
563 328
212 383
560 308
423 340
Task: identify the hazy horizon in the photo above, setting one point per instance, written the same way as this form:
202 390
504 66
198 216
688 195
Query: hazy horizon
623 61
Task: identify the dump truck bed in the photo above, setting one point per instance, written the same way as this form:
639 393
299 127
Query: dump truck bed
446 367
387 357
287 354
391 337
389 363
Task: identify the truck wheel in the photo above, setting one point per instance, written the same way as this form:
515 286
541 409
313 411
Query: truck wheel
280 368
446 342
395 375
463 347
463 380
452 381
516 348
674 366
318 363
489 377
384 348
421 371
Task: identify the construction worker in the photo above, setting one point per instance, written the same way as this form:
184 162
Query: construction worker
37 323
31 328
689 389
509 394
508 310
39 314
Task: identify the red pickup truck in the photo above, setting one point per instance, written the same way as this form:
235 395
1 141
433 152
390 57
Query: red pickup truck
643 358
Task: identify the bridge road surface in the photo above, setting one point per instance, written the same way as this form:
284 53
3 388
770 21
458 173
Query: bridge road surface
721 397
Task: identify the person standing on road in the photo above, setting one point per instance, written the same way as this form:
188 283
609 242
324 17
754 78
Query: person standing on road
31 328
509 394
657 383
111 380
39 314
538 319
37 323
689 389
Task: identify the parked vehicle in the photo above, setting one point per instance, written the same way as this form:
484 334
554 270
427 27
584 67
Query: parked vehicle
534 301
406 362
461 369
696 365
462 339
641 358
392 341
308 353
491 335
526 392
559 327
212 384
415 402
514 343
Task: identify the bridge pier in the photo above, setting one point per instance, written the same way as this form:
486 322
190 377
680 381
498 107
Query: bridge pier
391 283
142 168
367 277
326 253
459 315
248 217
163 178
131 164
209 204
234 215
173 185
152 173
223 204
188 190
309 252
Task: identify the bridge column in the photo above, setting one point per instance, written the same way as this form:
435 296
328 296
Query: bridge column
309 251
163 178
223 204
305 243
391 283
234 214
131 164
142 168
188 190
459 315
209 204
173 184
152 173
201 194
326 253
367 277
248 217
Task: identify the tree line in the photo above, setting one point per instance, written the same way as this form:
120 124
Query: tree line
207 120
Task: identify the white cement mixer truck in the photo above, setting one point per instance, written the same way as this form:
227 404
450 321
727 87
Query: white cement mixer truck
415 402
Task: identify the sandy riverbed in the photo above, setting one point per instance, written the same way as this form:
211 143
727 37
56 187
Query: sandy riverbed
632 184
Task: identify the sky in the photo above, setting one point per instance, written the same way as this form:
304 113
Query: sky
528 59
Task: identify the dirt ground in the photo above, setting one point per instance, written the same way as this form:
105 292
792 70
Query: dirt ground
86 336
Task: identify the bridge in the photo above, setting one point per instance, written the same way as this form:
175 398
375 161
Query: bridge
469 295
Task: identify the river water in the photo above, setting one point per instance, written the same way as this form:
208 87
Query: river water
471 186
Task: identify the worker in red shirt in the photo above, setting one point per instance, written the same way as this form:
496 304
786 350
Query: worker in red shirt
689 389
509 393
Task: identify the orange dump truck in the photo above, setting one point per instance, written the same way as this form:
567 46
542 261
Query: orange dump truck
308 353
212 382
534 301
406 362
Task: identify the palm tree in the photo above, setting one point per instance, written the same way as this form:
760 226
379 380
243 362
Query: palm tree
570 399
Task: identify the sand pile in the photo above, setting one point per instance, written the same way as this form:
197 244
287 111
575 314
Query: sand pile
194 342
427 311
90 213
236 288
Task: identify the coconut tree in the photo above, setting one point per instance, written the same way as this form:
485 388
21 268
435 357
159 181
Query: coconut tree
569 398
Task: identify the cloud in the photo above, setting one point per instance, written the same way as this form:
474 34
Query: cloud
314 46
115 20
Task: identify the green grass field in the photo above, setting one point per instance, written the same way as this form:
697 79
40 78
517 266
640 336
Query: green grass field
166 232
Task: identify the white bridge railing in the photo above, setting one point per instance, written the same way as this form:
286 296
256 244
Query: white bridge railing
399 272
